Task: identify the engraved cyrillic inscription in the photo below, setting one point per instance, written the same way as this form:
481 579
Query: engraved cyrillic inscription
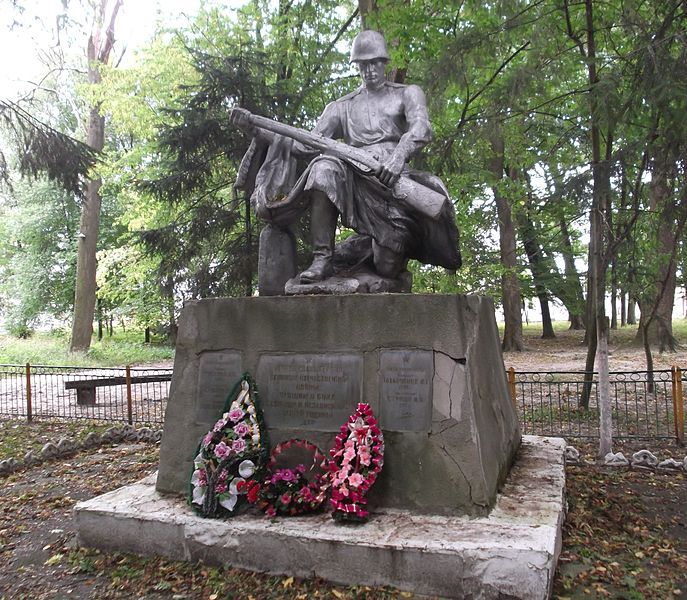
218 372
316 392
405 388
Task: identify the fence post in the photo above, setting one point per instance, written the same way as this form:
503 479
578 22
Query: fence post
29 408
129 406
678 405
511 386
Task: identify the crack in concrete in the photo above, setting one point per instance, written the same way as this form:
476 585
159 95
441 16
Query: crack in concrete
458 466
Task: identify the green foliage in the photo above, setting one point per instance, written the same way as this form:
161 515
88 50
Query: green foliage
37 254
43 150
175 173
174 229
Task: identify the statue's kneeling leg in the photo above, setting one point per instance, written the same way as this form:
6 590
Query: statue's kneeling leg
387 262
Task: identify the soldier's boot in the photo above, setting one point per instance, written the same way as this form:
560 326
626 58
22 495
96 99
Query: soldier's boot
323 227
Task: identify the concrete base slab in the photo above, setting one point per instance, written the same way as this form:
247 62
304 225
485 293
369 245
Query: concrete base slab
512 553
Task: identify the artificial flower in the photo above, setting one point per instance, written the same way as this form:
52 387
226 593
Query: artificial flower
356 460
232 452
246 468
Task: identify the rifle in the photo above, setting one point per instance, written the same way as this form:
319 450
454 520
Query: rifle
414 194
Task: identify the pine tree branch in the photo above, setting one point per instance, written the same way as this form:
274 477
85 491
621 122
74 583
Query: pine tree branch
42 149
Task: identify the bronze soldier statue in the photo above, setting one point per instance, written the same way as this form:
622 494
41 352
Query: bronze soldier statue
389 122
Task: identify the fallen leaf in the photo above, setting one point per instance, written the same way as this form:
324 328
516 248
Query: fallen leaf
55 559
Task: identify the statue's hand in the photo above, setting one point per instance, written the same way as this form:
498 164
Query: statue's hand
390 170
241 118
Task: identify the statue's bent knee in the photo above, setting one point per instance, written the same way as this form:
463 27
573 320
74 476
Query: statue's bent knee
387 262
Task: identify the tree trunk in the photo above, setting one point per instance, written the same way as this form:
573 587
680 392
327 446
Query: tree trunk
575 304
614 295
656 321
623 308
365 9
605 417
512 335
99 308
86 264
631 311
168 295
598 241
100 45
598 259
535 258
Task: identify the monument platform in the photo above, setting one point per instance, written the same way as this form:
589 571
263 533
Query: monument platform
511 553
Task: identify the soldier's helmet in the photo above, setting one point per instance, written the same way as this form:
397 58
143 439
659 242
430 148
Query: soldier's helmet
369 45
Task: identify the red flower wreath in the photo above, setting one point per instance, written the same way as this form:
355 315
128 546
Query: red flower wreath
291 491
357 459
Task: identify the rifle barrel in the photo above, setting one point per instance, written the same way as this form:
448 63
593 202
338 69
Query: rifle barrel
317 141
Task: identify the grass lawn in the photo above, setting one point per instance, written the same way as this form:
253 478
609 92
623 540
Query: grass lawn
52 349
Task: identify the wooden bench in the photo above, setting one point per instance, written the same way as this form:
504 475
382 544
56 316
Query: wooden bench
85 388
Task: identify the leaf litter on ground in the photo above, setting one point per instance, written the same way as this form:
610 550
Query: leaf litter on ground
625 537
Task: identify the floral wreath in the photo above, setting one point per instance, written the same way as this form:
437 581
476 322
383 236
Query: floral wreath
232 453
289 491
356 460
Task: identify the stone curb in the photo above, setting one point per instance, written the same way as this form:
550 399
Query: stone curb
643 460
68 446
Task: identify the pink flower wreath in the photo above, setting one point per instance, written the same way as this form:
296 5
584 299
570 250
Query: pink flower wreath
291 491
356 460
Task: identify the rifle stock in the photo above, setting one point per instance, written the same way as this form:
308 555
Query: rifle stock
414 194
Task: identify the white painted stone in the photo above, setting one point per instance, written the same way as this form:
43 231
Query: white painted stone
8 466
129 433
49 450
572 455
66 446
644 458
30 459
670 464
511 553
112 435
616 460
146 434
91 440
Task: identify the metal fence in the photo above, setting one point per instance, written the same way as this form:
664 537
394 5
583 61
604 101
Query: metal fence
135 395
548 403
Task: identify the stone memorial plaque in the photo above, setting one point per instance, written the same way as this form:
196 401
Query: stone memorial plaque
405 389
218 373
316 392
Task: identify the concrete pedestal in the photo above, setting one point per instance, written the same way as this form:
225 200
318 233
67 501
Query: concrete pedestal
430 366
512 553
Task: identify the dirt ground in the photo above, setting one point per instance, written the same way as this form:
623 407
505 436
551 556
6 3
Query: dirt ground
567 352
